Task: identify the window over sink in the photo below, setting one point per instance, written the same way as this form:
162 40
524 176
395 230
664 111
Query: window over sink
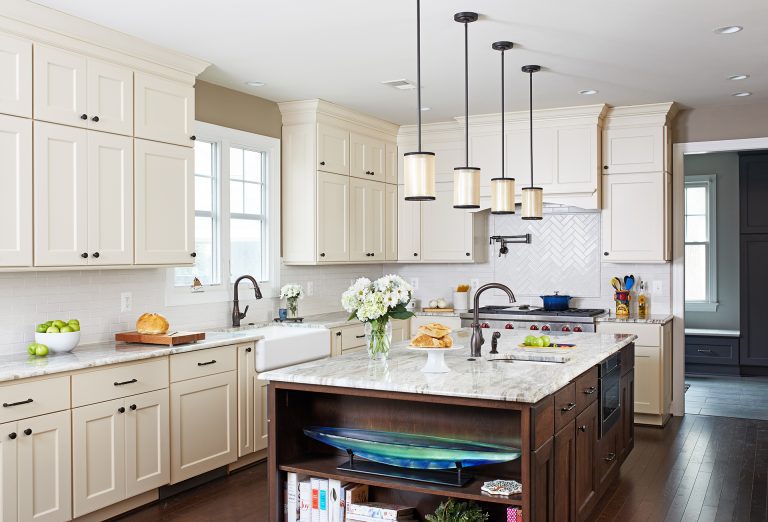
700 243
237 198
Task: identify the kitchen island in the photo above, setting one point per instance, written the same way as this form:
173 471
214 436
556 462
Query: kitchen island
551 412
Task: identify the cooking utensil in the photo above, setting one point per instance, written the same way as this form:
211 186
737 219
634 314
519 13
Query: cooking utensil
616 284
556 302
629 282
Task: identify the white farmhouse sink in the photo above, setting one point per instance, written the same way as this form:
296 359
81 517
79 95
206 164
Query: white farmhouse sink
285 346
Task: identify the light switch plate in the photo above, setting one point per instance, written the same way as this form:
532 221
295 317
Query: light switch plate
657 287
415 283
126 301
310 288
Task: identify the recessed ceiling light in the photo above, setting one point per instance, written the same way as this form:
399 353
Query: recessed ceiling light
426 108
255 84
741 94
588 92
738 77
728 29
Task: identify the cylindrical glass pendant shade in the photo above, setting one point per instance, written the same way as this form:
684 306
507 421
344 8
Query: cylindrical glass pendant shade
419 174
503 196
533 203
466 187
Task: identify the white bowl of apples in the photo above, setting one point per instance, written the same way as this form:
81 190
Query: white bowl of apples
59 336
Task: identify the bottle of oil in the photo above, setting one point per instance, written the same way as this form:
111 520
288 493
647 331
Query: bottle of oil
642 302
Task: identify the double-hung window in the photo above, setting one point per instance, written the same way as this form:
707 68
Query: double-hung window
700 243
237 195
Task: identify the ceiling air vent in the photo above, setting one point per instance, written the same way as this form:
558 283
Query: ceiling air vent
401 84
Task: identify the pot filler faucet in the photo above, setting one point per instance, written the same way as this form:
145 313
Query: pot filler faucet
236 315
477 332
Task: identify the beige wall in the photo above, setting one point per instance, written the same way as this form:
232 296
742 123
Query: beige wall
725 122
237 110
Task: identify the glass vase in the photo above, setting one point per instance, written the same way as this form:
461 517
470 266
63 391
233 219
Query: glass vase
293 307
378 336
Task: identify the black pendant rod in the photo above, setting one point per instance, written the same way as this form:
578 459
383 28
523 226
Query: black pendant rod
530 117
418 65
502 114
466 94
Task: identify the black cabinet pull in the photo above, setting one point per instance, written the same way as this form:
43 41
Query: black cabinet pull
359 336
582 428
95 118
207 363
415 254
193 138
322 163
605 167
338 334
322 254
467 254
12 435
590 390
84 255
569 407
133 407
610 457
373 255
96 255
126 382
121 409
702 350
605 253
83 116
248 349
28 431
9 404
193 254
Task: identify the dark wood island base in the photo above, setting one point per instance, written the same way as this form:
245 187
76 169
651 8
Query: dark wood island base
565 466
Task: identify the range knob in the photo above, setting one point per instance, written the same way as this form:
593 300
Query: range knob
485 325
545 328
577 329
509 326
534 327
566 328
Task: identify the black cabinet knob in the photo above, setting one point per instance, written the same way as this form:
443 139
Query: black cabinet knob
28 431
193 138
415 254
133 407
96 255
83 116
322 254
322 163
121 410
605 253
582 428
605 167
193 254
95 118
467 254
84 255
338 334
12 435
373 255
249 349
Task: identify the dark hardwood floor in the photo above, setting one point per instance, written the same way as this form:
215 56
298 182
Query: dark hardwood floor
697 468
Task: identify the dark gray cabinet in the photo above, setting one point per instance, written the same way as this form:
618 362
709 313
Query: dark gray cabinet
754 299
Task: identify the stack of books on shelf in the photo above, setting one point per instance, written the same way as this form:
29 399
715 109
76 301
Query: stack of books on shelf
379 512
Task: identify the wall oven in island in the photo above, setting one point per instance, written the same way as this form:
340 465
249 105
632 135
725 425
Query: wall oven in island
609 385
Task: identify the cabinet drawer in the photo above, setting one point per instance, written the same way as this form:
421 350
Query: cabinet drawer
352 337
586 389
565 406
709 350
203 362
119 381
647 334
29 399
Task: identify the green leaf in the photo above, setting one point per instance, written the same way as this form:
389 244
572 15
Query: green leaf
401 314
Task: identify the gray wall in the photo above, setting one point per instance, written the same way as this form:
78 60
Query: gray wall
726 166
721 122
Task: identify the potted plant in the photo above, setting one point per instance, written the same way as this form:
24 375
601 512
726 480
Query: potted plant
374 303
292 293
452 511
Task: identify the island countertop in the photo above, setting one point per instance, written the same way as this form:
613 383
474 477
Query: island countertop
518 381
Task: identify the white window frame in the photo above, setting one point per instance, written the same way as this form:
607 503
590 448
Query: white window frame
710 304
225 137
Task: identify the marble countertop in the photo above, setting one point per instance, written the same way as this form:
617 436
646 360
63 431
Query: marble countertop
653 319
455 313
517 381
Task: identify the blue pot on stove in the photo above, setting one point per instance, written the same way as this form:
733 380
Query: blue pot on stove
556 302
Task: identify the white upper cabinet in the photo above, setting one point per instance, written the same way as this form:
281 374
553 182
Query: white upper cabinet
390 150
408 228
333 217
367 157
367 220
390 229
110 199
16 195
110 98
60 195
60 86
164 204
332 149
15 76
628 150
164 110
447 233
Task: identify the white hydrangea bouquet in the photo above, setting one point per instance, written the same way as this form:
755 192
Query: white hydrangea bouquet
292 293
374 303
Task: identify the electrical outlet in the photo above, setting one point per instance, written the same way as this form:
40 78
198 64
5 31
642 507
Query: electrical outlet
126 301
474 283
415 283
657 287
310 288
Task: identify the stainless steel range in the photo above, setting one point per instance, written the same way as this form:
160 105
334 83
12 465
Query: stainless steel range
532 318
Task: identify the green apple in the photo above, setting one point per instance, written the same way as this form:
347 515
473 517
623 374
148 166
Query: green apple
529 340
41 350
75 327
66 329
537 342
48 323
52 329
41 328
73 321
58 323
31 348
546 340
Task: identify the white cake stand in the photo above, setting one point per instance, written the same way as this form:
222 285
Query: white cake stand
436 358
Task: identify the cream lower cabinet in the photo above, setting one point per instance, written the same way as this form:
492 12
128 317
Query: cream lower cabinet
203 424
16 196
352 337
120 448
36 469
367 226
251 403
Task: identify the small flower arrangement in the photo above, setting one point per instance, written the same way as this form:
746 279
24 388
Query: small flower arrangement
292 293
374 303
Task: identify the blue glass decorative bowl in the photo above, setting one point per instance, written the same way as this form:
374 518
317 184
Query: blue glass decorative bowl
407 450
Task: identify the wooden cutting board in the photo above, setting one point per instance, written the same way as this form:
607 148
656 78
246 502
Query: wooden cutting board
438 310
164 339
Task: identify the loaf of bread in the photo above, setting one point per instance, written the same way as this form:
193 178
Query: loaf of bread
426 341
152 324
435 330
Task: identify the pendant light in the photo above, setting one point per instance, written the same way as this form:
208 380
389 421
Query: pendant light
533 197
419 167
466 179
503 188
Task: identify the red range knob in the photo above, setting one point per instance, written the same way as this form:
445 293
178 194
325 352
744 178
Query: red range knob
534 327
485 325
545 328
566 329
509 326
577 329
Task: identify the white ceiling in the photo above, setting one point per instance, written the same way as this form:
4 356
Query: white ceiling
632 51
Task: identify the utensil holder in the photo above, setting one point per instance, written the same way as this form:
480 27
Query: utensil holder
622 299
461 301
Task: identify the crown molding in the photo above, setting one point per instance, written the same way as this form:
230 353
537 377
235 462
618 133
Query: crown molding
48 26
578 114
310 111
651 113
